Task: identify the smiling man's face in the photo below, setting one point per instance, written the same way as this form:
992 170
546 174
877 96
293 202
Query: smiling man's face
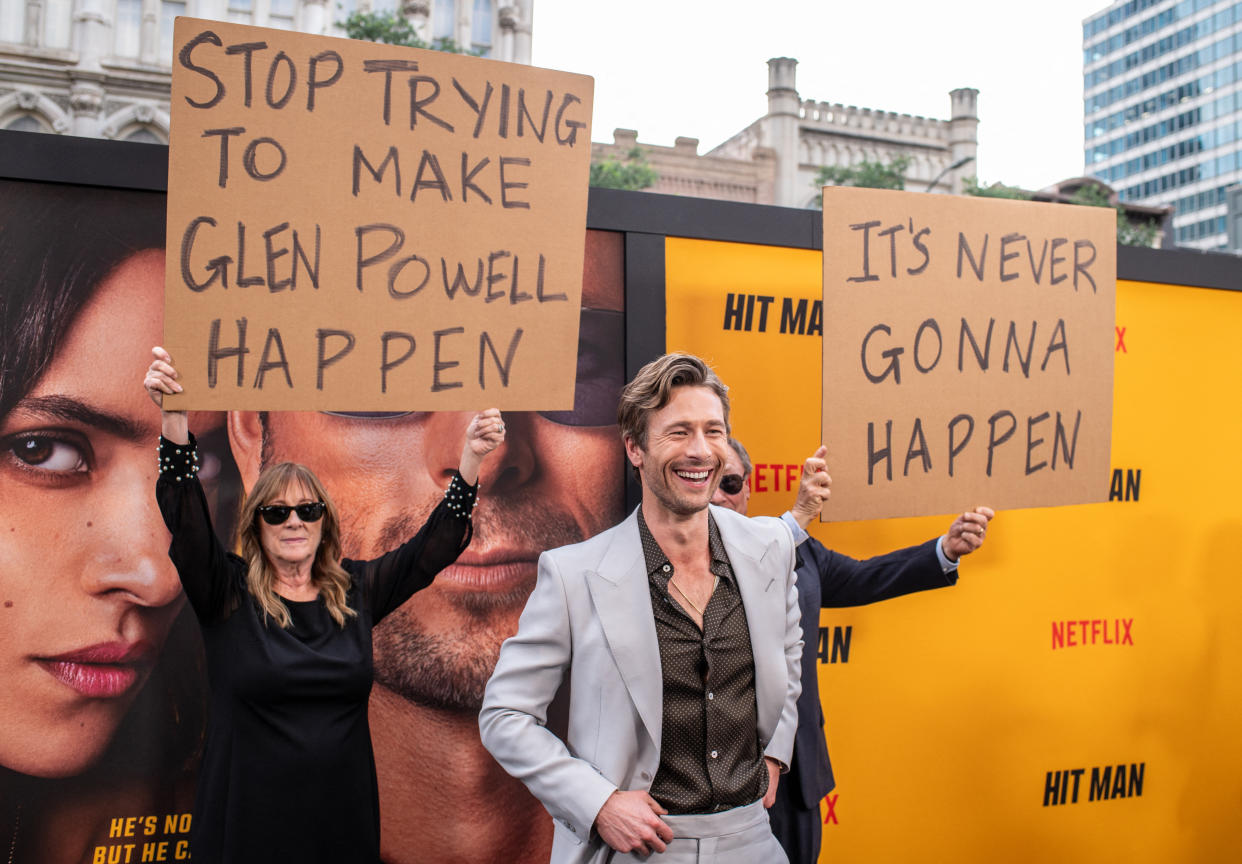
686 449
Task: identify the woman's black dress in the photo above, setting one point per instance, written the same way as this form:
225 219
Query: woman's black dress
287 771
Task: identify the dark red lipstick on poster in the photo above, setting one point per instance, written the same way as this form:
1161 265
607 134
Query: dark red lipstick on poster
102 671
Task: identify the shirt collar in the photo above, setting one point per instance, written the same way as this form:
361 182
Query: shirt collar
655 559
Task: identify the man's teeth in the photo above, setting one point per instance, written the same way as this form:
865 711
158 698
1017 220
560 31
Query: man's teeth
693 475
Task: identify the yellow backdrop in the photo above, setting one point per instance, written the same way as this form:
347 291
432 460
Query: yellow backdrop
986 722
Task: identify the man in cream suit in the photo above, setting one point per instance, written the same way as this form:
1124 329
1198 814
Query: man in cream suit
678 634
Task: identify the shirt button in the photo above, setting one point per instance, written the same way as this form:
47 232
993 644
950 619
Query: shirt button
711 696
713 754
666 568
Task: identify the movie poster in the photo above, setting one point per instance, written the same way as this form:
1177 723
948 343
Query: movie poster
103 709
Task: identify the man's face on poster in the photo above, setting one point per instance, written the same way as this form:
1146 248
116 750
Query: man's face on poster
557 479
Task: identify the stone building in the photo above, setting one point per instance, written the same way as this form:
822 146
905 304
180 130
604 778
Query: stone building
775 159
102 68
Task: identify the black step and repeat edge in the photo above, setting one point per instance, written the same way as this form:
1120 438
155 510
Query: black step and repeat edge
129 165
83 161
700 218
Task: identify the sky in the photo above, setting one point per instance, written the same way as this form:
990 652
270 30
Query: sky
694 68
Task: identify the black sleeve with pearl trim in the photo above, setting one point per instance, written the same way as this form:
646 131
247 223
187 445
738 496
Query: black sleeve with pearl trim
178 462
392 578
207 572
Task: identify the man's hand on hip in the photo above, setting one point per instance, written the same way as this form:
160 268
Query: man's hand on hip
630 822
774 777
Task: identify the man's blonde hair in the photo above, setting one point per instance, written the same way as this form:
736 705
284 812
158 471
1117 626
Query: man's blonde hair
652 388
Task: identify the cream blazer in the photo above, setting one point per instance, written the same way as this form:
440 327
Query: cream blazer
589 620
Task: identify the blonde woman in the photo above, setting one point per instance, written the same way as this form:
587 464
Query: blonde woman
288 772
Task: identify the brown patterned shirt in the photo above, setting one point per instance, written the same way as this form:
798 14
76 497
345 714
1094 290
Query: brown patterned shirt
710 758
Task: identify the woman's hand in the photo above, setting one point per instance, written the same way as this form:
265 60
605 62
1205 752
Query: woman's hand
161 378
485 433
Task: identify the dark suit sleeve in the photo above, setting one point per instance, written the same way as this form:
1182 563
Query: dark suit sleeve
846 581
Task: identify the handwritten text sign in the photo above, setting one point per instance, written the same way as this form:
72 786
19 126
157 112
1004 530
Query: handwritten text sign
968 352
354 226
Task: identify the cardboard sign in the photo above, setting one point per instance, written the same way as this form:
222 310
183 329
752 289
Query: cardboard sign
355 226
968 352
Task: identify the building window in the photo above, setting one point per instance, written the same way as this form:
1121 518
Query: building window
26 123
442 16
57 23
481 28
12 20
143 136
342 10
128 29
169 10
241 11
280 14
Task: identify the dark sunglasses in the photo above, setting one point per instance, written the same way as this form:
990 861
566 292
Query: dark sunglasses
597 384
278 514
731 484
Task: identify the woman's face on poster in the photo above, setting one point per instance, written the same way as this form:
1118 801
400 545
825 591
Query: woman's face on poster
87 593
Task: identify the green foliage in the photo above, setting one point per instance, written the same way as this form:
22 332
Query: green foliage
1130 232
1091 195
971 186
392 28
869 175
1133 233
634 173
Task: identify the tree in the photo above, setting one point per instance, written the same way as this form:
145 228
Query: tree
634 173
392 28
867 174
972 186
1130 232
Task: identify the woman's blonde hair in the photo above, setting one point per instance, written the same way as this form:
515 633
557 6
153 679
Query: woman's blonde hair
326 572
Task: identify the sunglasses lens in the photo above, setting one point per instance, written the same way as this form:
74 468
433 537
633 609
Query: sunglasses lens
372 415
731 484
274 514
310 512
600 373
278 514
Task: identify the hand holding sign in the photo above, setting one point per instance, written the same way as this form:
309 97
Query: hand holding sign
161 377
967 532
161 384
814 488
485 433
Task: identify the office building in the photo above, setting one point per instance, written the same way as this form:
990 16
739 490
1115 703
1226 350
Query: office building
1162 86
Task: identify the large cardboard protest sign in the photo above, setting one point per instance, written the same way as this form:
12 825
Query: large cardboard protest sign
968 353
355 226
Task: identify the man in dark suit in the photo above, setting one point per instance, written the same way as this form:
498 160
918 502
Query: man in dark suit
828 579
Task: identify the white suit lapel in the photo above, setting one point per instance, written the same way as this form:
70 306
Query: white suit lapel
763 597
622 598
